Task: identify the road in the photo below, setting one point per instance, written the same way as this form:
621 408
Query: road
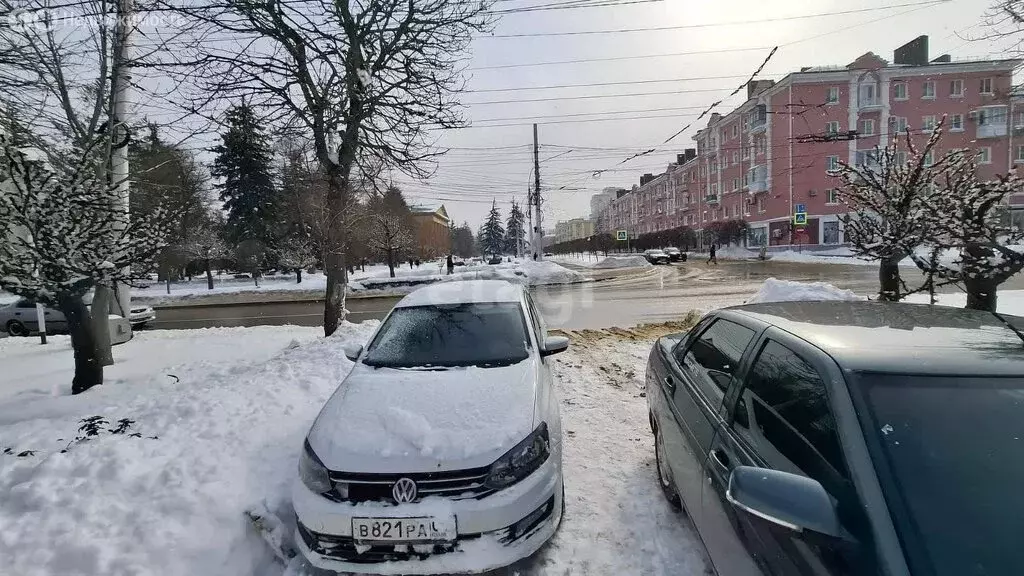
651 295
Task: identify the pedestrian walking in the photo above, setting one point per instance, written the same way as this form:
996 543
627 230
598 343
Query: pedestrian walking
451 265
711 257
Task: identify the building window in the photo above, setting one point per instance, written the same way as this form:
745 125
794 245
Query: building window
831 163
1019 157
899 158
714 188
745 123
868 94
832 128
986 86
735 183
746 208
899 90
830 232
1018 119
984 155
759 145
956 88
735 130
760 204
927 123
833 95
746 152
956 123
900 124
831 196
714 166
928 90
867 127
929 158
735 157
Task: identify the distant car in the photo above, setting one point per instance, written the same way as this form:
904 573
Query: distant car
441 451
655 256
19 318
836 438
494 260
675 255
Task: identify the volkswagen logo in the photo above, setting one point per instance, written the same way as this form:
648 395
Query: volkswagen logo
404 490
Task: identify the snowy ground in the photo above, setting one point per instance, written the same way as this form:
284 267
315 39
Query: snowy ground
223 434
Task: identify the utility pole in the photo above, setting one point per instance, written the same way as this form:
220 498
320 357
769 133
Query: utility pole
539 230
529 213
125 25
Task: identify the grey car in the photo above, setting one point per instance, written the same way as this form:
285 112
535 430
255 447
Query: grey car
835 438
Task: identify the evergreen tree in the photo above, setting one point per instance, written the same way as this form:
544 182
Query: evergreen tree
243 165
492 234
514 230
463 243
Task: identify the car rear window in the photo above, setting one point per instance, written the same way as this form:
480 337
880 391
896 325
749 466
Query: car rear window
476 334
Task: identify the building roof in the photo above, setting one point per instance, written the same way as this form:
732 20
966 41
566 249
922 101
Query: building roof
902 338
463 292
424 209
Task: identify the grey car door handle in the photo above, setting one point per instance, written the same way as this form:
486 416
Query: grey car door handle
670 383
720 459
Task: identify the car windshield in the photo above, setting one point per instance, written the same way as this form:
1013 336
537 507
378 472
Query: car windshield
950 454
477 334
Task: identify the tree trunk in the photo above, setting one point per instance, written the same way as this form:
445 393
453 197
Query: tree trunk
256 275
100 312
889 279
981 293
209 274
88 369
298 275
168 284
334 302
391 263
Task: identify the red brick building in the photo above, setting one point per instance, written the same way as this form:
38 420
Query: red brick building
775 151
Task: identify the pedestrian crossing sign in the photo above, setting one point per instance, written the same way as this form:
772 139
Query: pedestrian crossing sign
800 218
621 235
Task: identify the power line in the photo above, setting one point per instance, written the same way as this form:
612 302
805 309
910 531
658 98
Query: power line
716 24
620 83
572 5
593 96
617 58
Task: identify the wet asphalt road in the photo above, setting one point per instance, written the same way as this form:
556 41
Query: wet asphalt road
650 295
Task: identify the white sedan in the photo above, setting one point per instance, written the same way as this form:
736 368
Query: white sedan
442 449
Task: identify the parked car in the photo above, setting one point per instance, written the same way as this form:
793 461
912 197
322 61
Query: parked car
494 260
845 437
445 431
675 255
19 318
655 256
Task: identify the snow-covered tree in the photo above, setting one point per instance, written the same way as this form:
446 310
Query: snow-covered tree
243 165
889 200
515 230
492 234
389 227
62 237
205 245
463 243
968 215
296 252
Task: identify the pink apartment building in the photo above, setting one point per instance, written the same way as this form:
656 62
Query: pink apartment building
774 153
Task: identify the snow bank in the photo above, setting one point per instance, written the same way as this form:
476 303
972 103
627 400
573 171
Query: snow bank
6 298
541 273
219 436
774 290
636 261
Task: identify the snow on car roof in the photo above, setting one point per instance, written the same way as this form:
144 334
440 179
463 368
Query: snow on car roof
462 292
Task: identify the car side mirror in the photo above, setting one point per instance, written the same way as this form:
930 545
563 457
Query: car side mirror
791 501
352 351
553 345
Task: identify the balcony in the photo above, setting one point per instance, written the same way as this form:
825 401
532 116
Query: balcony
711 199
758 119
868 104
991 130
758 177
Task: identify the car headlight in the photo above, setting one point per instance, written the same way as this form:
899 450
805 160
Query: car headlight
312 472
521 461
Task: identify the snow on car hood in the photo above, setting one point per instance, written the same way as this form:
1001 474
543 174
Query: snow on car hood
402 420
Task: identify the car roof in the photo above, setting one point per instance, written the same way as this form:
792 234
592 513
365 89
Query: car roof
901 338
463 292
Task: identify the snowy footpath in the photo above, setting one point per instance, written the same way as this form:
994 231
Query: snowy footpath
151 473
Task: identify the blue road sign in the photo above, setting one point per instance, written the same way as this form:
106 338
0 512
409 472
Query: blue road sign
800 208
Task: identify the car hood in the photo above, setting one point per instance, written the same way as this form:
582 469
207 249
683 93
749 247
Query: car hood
391 420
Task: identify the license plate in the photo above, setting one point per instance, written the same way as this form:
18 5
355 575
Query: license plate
403 529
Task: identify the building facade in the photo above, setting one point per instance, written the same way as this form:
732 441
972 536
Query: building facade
779 150
574 229
432 235
601 200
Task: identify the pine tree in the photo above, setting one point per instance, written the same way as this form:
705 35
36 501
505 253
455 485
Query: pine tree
515 232
492 234
247 188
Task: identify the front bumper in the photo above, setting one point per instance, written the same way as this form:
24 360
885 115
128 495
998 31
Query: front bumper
493 532
136 318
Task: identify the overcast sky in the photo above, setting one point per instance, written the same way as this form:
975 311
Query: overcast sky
488 161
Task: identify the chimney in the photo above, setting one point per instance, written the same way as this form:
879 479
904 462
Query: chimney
913 53
646 178
621 193
943 58
755 87
680 159
690 153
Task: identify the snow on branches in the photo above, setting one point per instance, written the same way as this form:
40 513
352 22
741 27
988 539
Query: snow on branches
62 231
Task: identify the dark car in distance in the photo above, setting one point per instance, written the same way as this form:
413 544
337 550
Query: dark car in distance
674 254
859 438
655 256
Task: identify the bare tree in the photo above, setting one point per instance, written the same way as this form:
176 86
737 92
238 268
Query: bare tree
296 252
389 235
969 216
204 245
61 240
365 79
889 196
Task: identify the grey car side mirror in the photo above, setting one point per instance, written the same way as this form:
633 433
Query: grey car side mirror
788 500
554 345
352 351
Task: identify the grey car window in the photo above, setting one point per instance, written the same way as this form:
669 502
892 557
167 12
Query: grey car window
715 354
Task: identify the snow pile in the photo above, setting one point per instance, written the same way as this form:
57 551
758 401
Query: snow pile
6 298
636 261
156 292
542 273
774 290
217 436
